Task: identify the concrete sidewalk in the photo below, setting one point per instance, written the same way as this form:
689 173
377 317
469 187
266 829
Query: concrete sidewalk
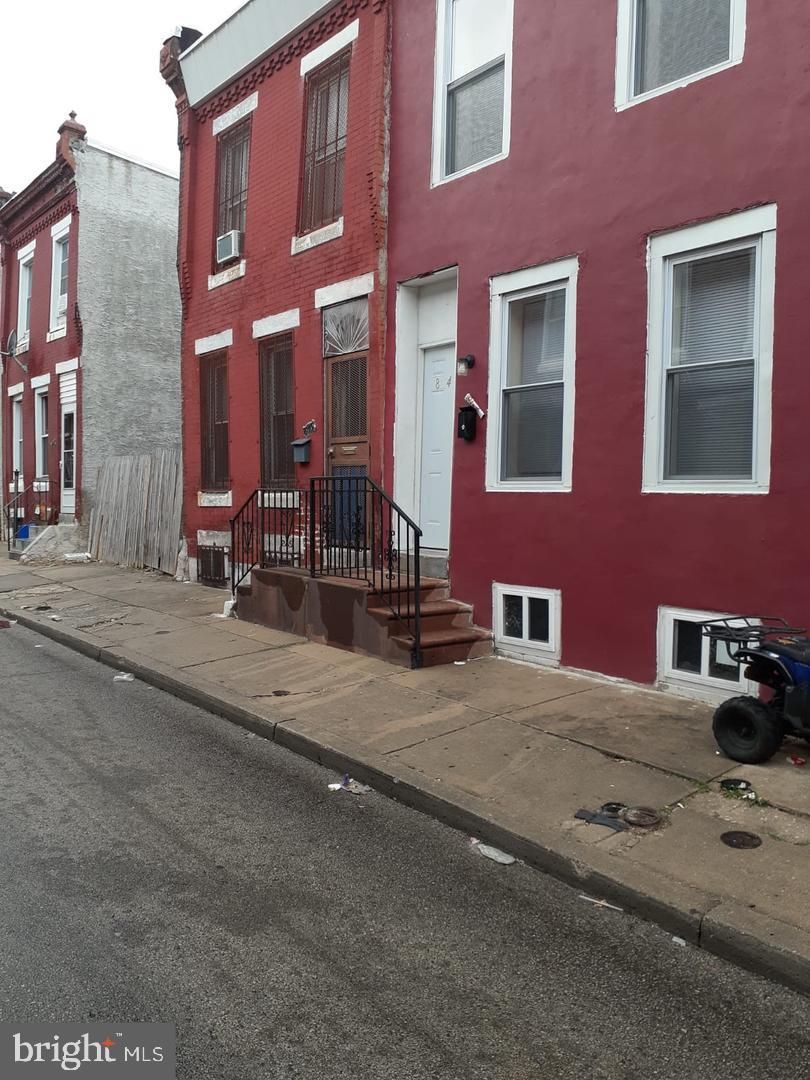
504 751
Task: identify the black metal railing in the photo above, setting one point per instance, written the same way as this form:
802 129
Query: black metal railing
269 530
343 526
15 512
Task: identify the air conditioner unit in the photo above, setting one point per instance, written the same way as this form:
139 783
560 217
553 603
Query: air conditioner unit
229 246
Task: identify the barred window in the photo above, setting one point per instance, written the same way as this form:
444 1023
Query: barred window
215 473
234 152
327 114
277 410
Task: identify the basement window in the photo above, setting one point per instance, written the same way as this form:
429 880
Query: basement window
690 663
527 622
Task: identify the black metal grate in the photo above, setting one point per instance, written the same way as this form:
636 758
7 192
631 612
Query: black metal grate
234 153
277 411
327 117
212 565
215 474
349 398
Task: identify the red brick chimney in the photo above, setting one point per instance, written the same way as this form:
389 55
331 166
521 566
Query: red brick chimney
68 133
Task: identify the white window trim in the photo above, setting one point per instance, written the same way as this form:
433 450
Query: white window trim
341 291
757 224
222 340
25 260
214 498
41 474
17 440
67 365
16 390
332 231
625 55
40 380
232 273
277 324
502 290
233 116
522 648
57 324
331 47
442 66
687 683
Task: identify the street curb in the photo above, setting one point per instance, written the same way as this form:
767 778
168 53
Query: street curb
735 945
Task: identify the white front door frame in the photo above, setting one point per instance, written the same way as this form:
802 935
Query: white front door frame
424 352
420 326
67 504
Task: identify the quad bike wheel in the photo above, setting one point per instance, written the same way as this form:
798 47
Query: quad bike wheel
747 730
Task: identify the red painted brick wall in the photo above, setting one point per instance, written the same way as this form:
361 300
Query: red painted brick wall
275 281
52 205
584 179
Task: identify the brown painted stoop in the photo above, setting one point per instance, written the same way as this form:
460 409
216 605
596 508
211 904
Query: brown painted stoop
349 615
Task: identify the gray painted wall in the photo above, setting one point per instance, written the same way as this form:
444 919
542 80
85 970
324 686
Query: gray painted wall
129 303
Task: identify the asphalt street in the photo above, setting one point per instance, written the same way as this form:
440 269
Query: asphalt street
159 864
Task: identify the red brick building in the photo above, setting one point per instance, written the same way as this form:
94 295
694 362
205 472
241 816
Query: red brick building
619 192
282 129
89 292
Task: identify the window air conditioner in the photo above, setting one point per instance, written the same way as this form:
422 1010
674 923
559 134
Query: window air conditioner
229 246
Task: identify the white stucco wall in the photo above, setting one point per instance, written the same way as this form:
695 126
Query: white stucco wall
129 304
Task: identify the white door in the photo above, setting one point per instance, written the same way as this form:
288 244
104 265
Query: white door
67 467
437 446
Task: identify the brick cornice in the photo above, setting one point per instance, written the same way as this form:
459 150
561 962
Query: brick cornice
41 204
329 23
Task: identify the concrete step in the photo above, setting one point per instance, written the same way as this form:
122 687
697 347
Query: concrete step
450 646
435 615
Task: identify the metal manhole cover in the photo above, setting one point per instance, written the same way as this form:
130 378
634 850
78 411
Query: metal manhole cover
741 839
643 816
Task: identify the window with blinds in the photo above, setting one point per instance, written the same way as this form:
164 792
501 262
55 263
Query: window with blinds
678 38
534 387
327 123
277 411
215 471
234 154
711 370
478 40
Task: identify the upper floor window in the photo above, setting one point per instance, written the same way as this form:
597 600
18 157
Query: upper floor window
533 325
234 153
327 124
663 44
710 355
59 274
473 85
25 265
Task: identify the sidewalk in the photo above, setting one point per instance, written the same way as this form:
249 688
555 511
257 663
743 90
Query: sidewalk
503 751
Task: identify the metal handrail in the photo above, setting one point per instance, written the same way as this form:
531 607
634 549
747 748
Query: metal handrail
341 526
10 509
357 531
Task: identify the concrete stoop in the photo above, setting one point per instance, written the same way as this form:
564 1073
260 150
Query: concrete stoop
350 615
53 541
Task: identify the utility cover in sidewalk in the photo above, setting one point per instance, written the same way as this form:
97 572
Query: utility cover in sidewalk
741 839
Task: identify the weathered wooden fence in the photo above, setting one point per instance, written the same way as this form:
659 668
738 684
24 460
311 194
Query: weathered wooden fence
136 517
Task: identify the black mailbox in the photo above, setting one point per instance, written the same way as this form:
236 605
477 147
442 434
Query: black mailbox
467 420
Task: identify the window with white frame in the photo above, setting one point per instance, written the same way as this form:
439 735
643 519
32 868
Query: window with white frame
473 85
527 621
710 355
17 436
688 659
41 433
25 278
59 274
664 44
531 379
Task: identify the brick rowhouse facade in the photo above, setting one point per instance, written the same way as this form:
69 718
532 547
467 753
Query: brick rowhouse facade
91 241
586 179
230 312
25 227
